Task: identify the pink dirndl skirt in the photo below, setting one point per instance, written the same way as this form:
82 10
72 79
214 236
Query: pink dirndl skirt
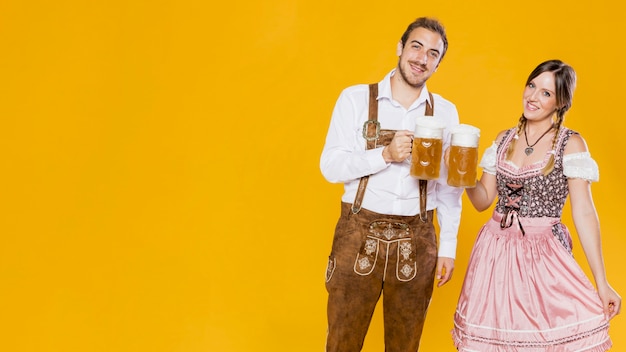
525 292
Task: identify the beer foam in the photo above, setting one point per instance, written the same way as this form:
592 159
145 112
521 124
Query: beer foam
465 136
428 127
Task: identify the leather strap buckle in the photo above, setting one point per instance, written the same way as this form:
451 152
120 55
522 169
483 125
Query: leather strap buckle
366 128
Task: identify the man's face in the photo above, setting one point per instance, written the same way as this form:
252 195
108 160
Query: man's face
419 57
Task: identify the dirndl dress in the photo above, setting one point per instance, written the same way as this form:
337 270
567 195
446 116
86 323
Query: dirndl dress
523 289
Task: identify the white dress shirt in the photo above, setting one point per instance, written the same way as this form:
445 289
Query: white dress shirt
390 189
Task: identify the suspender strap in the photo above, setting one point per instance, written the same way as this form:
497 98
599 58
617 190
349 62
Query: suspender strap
371 132
423 184
371 129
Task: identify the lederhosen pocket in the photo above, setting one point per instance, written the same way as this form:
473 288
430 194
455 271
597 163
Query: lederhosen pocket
386 232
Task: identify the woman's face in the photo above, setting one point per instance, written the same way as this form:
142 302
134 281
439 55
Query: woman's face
540 97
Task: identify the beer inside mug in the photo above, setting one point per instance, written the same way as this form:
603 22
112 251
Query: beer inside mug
427 148
463 158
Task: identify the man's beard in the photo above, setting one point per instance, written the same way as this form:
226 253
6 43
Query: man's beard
405 78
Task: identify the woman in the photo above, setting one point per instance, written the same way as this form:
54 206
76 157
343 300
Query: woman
523 290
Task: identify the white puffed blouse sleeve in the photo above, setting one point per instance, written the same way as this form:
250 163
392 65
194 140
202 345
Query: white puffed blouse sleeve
581 165
488 161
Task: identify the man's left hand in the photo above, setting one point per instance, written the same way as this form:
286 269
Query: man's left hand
445 267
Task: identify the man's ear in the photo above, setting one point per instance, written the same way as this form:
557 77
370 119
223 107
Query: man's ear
399 48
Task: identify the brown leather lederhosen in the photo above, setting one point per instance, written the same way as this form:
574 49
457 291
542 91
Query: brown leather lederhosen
376 253
376 136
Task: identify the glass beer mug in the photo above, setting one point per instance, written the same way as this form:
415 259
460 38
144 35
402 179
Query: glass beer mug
463 157
427 148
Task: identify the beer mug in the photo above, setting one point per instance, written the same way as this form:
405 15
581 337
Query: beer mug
463 157
427 148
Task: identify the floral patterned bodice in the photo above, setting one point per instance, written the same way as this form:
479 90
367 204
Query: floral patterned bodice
527 190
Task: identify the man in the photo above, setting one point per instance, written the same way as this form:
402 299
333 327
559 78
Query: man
384 242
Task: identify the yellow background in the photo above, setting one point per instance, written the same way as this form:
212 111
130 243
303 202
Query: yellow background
160 186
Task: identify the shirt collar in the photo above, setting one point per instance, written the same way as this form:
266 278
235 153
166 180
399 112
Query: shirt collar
384 91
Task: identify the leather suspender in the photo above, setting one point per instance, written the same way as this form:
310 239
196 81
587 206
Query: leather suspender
371 131
423 185
373 134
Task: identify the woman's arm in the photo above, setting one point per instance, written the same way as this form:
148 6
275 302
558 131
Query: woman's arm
588 228
484 193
